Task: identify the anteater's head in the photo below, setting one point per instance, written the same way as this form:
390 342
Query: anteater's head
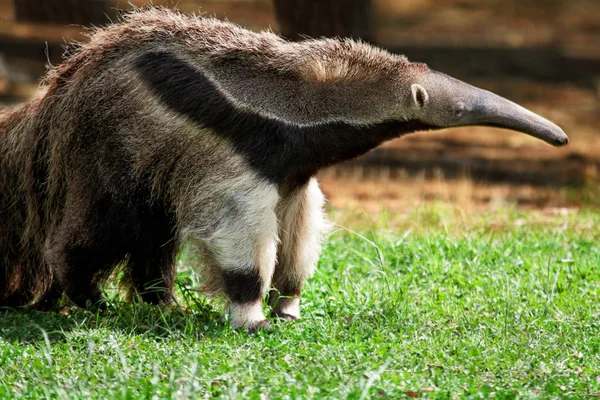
371 85
442 101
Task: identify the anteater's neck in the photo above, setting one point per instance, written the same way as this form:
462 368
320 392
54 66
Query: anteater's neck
275 148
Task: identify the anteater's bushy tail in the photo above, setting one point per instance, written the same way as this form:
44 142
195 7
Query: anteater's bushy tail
25 278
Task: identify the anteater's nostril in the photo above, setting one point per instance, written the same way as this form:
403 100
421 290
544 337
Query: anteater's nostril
561 141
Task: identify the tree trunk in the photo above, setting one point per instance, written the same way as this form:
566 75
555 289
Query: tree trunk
63 12
299 19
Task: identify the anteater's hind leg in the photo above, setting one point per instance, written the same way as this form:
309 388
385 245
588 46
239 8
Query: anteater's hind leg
302 227
80 268
151 266
91 239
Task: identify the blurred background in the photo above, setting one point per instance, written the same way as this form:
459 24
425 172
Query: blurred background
543 54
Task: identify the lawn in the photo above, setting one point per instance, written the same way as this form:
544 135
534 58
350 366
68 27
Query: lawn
437 303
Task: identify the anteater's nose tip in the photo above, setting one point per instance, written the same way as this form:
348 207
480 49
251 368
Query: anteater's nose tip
562 140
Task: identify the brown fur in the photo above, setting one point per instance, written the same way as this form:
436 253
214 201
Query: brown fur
96 172
165 127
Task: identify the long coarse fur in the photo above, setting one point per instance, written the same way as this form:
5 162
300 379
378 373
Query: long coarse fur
165 126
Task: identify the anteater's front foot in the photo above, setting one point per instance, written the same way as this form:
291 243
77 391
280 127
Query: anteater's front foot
248 316
284 317
284 308
258 326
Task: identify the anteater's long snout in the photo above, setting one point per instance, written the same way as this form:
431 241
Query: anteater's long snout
493 110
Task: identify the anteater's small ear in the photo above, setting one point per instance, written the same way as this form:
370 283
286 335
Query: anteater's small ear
419 95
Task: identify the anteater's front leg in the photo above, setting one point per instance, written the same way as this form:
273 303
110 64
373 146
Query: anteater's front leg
301 230
240 253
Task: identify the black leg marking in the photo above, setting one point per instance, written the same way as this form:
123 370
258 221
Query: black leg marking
285 297
287 288
243 285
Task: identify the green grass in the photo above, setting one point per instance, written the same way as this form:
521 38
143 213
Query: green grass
499 305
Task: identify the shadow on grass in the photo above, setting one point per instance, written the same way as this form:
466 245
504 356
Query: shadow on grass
197 321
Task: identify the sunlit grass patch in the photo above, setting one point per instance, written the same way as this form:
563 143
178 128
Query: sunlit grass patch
436 303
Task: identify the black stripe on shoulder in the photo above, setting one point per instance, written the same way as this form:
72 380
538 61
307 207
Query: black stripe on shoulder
273 148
